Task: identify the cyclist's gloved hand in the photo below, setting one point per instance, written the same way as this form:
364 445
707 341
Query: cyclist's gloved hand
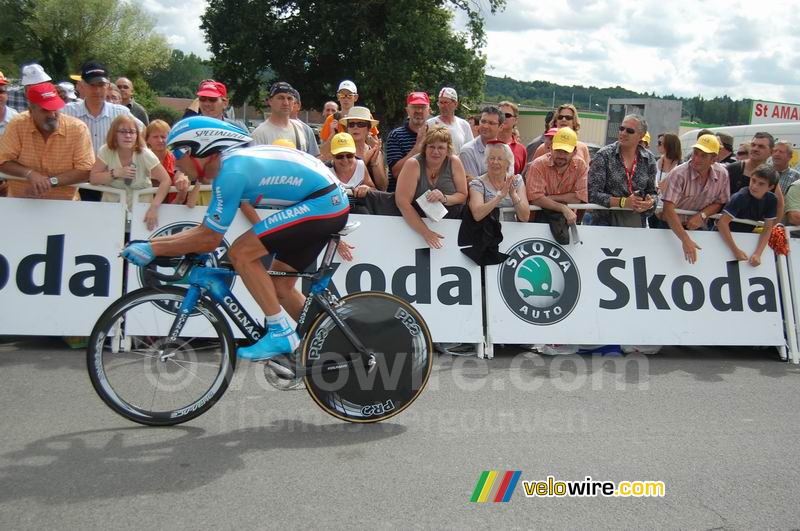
139 253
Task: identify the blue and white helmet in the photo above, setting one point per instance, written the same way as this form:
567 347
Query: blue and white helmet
201 136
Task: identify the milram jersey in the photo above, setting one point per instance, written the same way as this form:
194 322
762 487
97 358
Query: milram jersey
267 176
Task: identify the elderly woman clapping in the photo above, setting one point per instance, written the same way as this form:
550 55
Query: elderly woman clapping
438 175
498 187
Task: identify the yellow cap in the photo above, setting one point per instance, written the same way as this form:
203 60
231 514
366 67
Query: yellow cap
565 140
75 77
285 143
646 138
708 144
342 143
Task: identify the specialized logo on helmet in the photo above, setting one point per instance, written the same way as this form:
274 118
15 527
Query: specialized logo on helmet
219 255
539 282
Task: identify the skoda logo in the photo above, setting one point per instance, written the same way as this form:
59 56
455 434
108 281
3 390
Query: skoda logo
168 230
539 282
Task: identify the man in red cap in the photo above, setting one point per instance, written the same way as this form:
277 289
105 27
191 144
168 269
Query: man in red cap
212 97
49 150
405 141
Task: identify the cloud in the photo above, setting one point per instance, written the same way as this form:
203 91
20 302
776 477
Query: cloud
769 70
713 72
738 33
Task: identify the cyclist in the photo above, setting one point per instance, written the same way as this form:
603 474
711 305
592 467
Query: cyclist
313 207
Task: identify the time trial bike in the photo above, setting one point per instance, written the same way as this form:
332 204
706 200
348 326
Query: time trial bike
165 353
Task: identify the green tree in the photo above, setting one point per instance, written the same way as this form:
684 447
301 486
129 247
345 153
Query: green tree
180 76
388 47
62 34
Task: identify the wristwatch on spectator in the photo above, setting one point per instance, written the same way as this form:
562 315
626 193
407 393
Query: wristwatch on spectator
703 215
53 181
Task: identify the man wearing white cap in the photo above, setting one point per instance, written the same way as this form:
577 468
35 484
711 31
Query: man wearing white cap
6 112
460 131
32 74
347 94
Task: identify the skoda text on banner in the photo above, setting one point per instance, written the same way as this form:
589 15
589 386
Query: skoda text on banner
630 286
59 265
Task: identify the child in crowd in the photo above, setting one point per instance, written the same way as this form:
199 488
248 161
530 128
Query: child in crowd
755 202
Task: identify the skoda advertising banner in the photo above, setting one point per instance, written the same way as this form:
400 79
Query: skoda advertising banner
443 284
629 286
59 265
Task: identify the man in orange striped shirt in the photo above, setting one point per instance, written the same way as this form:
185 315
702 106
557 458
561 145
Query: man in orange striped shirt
49 150
559 178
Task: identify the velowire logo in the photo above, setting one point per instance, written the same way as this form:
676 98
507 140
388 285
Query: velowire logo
539 282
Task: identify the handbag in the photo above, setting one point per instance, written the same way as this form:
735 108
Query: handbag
483 237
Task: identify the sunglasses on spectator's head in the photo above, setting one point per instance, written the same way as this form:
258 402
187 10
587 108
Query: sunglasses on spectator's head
357 124
344 156
209 99
564 117
343 94
629 130
180 152
509 115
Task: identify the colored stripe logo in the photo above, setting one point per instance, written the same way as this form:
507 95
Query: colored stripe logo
496 486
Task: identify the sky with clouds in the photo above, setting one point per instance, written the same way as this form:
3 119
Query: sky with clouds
681 47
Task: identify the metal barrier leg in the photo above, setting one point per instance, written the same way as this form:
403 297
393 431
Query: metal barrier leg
789 323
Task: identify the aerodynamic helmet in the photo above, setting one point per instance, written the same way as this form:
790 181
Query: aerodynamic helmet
201 136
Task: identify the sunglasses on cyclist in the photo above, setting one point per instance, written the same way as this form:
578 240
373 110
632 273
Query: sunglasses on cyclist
347 156
629 130
180 152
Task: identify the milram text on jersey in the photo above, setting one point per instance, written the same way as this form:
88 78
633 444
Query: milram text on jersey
263 176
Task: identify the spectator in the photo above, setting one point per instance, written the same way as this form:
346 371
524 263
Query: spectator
539 140
506 134
781 156
557 179
460 131
436 174
793 205
623 174
406 141
567 116
66 91
700 185
32 74
755 202
474 124
739 172
296 105
669 147
280 125
348 96
50 150
125 87
645 141
126 163
473 152
113 95
6 112
725 148
155 136
212 101
743 151
351 171
368 148
499 187
330 108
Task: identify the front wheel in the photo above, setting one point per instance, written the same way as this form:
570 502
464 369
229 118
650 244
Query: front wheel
394 375
146 377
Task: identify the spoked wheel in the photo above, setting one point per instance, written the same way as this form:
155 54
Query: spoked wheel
392 377
146 377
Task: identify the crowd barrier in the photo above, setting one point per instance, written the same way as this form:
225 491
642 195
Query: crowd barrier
59 269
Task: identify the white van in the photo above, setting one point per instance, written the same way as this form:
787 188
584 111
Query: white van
744 134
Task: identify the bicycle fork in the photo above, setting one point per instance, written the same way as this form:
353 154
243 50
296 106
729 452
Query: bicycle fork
187 305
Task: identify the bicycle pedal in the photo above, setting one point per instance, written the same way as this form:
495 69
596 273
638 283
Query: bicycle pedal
281 370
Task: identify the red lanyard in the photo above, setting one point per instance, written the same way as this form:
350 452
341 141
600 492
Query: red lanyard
630 174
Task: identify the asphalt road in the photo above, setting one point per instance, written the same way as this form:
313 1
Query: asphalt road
720 428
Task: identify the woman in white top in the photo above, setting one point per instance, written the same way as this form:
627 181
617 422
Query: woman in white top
125 162
498 187
669 147
351 171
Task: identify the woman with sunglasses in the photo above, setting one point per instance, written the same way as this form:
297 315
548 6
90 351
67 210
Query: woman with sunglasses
351 171
358 124
566 115
125 162
438 176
